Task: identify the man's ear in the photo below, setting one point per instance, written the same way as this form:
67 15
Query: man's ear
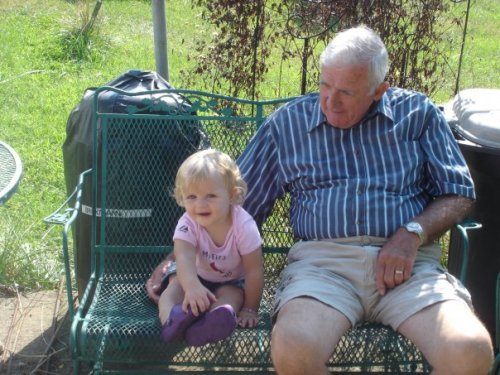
381 89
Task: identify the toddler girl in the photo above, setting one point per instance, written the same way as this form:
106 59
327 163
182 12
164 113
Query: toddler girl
217 247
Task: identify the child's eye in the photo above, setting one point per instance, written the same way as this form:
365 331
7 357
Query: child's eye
211 196
190 197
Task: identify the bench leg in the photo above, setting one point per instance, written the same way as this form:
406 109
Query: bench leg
98 365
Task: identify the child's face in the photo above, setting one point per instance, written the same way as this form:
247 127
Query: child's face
208 202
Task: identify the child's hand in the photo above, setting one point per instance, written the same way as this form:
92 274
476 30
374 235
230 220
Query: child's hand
248 318
199 299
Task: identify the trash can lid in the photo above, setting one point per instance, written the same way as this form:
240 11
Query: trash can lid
476 116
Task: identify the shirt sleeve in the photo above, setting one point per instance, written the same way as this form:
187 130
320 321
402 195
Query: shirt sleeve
446 167
247 233
259 165
185 230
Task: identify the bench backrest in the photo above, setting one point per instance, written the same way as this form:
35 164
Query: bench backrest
138 148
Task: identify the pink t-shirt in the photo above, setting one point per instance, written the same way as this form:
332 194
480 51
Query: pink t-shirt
221 263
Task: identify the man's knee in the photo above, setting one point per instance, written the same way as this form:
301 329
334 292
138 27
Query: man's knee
292 352
469 353
451 337
288 342
299 343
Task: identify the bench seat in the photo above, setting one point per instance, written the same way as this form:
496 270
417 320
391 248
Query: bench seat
115 327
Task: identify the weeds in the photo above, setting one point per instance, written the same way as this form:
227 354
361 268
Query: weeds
82 41
27 262
76 45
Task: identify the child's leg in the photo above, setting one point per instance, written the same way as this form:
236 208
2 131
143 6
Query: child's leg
220 321
229 295
174 321
171 296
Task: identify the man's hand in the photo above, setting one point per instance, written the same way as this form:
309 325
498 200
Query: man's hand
153 284
395 260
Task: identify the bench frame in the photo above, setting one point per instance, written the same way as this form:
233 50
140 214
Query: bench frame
112 341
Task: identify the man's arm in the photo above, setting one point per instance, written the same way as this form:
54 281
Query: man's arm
400 251
153 284
443 213
259 166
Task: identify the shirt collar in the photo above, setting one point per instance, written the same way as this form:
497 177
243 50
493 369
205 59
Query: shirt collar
318 117
381 107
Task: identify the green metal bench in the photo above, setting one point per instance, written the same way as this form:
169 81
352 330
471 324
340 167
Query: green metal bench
116 328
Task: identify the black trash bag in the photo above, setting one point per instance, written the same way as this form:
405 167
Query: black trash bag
135 214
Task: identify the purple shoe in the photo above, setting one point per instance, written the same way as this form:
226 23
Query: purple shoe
215 325
177 323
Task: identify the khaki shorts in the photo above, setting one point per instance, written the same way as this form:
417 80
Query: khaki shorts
341 274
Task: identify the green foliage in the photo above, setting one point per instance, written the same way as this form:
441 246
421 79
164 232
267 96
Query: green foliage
249 33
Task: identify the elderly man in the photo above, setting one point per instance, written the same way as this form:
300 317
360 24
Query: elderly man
375 176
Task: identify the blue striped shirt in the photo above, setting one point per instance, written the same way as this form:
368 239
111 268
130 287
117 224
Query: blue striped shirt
366 180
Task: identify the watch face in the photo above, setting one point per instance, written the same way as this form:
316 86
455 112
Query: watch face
414 227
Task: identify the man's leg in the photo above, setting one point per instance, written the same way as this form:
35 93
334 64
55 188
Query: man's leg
451 338
304 336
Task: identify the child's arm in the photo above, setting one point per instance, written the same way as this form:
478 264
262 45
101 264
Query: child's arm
254 283
196 295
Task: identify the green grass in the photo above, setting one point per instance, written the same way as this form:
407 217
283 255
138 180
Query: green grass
481 61
42 79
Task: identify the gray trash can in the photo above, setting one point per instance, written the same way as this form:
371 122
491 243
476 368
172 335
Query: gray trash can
474 117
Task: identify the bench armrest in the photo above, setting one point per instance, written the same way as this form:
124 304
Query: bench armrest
462 228
66 215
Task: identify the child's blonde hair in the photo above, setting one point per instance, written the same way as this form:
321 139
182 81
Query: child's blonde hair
205 164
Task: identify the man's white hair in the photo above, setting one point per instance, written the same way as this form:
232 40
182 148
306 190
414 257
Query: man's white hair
358 46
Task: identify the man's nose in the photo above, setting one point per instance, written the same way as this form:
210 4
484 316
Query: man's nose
334 96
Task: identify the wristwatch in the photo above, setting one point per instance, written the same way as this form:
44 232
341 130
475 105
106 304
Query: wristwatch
414 227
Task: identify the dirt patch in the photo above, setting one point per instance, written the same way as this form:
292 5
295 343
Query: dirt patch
34 330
